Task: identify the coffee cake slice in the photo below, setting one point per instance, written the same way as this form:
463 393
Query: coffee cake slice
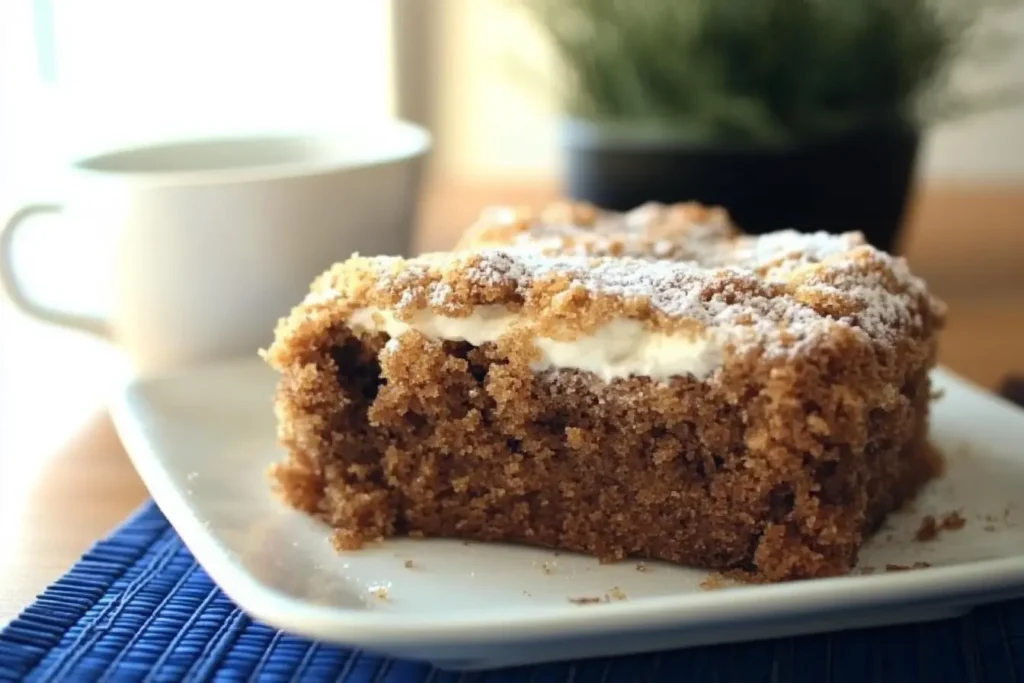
653 230
758 413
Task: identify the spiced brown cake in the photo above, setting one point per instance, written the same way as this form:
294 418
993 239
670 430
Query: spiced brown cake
757 409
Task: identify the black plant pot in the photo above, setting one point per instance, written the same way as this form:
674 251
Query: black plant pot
860 181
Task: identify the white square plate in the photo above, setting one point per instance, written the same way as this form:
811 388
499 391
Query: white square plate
202 441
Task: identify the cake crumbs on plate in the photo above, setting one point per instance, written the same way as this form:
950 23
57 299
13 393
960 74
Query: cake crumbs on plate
905 567
380 592
586 600
616 594
930 527
928 530
713 582
546 567
990 527
408 564
642 568
952 521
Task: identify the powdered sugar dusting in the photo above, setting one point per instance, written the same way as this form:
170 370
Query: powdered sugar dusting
812 247
502 268
776 294
439 294
765 289
652 229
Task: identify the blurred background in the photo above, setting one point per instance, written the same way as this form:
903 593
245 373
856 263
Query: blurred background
484 77
480 74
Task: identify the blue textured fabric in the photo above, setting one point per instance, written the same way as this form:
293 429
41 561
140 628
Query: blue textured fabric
137 607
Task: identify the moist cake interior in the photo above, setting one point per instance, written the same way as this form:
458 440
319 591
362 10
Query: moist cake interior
447 439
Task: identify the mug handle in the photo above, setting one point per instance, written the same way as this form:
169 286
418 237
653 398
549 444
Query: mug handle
10 284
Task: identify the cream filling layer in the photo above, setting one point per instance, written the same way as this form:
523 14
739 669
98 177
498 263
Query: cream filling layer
618 349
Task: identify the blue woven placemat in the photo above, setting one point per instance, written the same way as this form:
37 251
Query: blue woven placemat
138 607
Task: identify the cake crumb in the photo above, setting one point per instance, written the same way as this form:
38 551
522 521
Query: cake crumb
586 601
618 594
930 527
714 582
952 521
642 568
904 567
381 592
928 530
545 567
408 564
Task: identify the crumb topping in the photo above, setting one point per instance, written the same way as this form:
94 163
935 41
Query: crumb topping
652 230
774 294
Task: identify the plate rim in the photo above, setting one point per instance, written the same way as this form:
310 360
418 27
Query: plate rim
972 583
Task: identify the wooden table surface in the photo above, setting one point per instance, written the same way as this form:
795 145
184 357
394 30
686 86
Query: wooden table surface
65 480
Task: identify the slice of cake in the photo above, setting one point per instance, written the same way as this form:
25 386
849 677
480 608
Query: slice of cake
759 412
664 231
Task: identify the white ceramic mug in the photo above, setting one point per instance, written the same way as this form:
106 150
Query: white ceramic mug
213 240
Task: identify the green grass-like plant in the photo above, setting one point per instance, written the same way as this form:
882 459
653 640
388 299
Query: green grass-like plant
767 71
